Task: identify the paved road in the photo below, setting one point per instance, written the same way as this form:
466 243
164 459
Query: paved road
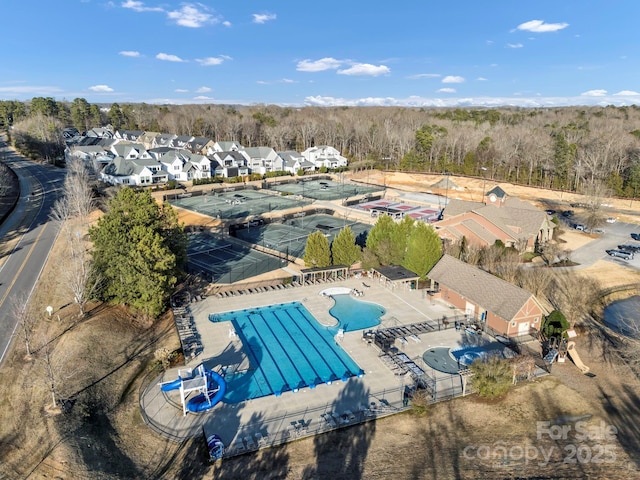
26 238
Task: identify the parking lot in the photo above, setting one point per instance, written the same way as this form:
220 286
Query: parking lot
614 234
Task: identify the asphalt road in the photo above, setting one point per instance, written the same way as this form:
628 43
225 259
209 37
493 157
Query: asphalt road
32 236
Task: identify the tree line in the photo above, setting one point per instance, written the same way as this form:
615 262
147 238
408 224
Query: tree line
570 148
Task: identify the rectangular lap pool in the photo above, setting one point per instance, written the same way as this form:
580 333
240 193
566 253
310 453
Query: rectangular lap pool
288 350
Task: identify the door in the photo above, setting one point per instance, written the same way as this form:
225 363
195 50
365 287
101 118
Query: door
523 328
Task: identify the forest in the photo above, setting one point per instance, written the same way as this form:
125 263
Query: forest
573 149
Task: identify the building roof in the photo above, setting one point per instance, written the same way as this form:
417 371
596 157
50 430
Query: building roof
490 292
396 272
497 191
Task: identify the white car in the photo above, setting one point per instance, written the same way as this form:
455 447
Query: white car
611 220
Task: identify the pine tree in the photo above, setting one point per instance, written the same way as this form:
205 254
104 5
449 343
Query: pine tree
139 250
424 249
344 249
317 252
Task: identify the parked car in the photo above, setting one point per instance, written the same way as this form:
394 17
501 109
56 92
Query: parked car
611 220
629 248
550 212
620 254
635 236
580 226
567 213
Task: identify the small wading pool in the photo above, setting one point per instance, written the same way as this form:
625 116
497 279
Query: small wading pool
451 360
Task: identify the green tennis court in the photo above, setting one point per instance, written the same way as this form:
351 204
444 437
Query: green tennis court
322 189
290 236
237 204
222 261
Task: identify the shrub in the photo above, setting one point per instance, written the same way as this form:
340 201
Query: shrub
491 377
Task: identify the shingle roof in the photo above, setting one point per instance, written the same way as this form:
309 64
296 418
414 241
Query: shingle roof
490 292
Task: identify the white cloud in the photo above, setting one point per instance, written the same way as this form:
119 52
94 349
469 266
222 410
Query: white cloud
418 76
181 90
202 98
129 53
192 15
169 58
263 17
415 101
594 93
481 79
446 90
30 90
365 69
490 42
626 93
203 90
288 80
101 88
327 63
514 45
538 26
226 23
209 61
452 79
140 7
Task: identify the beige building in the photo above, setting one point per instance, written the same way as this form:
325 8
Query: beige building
507 309
514 222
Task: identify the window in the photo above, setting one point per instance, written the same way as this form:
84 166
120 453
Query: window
535 320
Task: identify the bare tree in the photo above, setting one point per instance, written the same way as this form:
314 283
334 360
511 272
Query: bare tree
77 189
574 295
79 275
56 368
26 322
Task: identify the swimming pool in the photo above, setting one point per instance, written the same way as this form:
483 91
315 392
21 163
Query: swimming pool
353 314
451 360
288 350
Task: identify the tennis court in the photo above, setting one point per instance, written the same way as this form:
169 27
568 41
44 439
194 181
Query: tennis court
221 261
290 236
322 189
237 204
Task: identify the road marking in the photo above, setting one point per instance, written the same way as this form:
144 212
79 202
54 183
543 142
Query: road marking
15 278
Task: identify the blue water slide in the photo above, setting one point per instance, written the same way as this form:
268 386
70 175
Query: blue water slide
174 385
203 402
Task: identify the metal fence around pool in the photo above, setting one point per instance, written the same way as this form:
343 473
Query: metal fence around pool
221 261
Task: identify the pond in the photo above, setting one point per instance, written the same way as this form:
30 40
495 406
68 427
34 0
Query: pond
623 316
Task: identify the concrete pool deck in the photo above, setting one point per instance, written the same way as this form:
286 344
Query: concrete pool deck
271 420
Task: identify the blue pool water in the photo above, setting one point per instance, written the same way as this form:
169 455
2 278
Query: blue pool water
451 360
288 349
353 314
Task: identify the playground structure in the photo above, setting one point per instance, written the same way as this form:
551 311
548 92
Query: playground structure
209 385
559 347
573 354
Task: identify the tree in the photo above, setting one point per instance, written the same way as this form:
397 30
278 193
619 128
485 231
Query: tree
344 250
116 116
26 322
79 275
139 250
424 249
491 377
317 252
379 240
81 114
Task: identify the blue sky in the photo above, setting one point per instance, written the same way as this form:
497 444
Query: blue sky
502 52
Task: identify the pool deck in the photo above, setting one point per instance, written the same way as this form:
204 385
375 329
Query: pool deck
272 420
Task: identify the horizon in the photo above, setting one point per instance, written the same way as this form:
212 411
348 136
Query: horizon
444 56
